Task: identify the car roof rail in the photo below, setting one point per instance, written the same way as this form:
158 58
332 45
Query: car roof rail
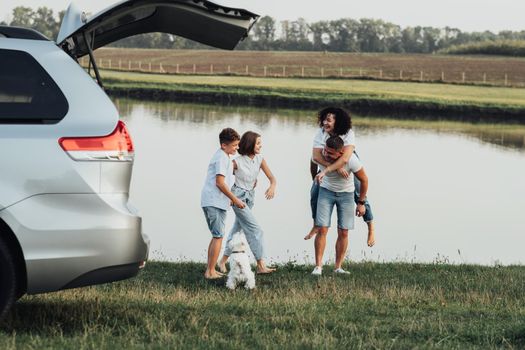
21 33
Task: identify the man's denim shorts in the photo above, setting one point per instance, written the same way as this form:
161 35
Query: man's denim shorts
344 201
215 218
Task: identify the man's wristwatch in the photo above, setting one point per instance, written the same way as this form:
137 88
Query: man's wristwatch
361 202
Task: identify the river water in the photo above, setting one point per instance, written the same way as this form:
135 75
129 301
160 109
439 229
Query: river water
440 191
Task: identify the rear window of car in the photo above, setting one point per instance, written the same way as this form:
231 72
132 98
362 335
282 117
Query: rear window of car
28 95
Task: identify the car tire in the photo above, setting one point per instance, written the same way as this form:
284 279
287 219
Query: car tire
7 279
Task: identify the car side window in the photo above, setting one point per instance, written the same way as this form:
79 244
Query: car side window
28 95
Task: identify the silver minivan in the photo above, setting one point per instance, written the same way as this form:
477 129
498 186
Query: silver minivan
66 159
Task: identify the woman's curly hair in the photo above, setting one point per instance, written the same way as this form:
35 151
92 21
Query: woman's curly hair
343 121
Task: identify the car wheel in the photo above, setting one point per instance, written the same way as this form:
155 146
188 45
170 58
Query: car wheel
7 280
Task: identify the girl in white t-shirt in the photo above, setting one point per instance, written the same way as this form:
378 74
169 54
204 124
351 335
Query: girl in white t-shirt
246 169
335 121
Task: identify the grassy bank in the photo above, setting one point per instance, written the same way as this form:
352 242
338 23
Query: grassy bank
169 305
453 101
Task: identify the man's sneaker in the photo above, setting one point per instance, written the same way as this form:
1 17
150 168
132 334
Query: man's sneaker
341 271
318 271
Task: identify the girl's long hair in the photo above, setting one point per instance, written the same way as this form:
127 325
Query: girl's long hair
247 143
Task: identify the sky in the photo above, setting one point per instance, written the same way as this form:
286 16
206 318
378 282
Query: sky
467 15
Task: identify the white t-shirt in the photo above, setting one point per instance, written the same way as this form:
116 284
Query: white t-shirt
321 136
336 183
247 171
211 196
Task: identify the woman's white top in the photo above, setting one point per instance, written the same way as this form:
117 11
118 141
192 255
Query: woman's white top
321 136
247 171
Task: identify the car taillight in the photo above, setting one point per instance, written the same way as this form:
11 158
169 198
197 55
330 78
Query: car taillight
116 146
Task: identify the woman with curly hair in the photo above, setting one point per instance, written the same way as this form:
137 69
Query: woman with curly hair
335 121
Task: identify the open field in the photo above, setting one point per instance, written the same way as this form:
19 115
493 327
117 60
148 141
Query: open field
170 305
388 97
488 70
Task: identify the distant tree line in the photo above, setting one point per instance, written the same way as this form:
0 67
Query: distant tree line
341 35
500 48
42 20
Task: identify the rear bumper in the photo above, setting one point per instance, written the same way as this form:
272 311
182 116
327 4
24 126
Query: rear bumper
73 240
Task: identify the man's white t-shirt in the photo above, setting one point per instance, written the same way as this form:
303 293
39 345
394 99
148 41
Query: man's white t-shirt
336 183
247 171
321 136
211 196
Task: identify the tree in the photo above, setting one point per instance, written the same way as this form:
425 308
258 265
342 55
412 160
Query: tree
371 35
343 35
320 35
22 17
44 22
264 30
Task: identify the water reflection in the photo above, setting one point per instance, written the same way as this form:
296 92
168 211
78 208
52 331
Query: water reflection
441 191
504 135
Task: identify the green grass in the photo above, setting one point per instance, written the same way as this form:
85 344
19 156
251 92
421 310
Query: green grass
170 305
499 47
443 93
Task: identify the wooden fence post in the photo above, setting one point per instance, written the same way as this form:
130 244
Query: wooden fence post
247 71
302 71
119 65
380 74
264 70
284 71
229 69
161 69
211 68
194 68
322 72
360 72
109 63
341 71
442 76
177 68
506 79
129 65
421 76
484 78
463 77
401 75
150 66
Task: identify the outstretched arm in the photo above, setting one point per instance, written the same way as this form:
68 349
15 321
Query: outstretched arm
270 192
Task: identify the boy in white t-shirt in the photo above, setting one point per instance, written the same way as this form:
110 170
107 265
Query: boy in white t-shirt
216 196
337 191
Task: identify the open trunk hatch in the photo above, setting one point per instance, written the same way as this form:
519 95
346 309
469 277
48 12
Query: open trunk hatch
198 20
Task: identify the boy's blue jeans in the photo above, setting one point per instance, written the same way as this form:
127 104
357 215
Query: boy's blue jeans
314 194
245 221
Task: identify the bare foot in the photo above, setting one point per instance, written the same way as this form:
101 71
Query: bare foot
212 275
371 235
265 270
311 234
222 268
262 268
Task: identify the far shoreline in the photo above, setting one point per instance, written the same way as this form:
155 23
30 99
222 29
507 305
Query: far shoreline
139 87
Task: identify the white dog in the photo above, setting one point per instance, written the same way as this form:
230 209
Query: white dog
240 269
